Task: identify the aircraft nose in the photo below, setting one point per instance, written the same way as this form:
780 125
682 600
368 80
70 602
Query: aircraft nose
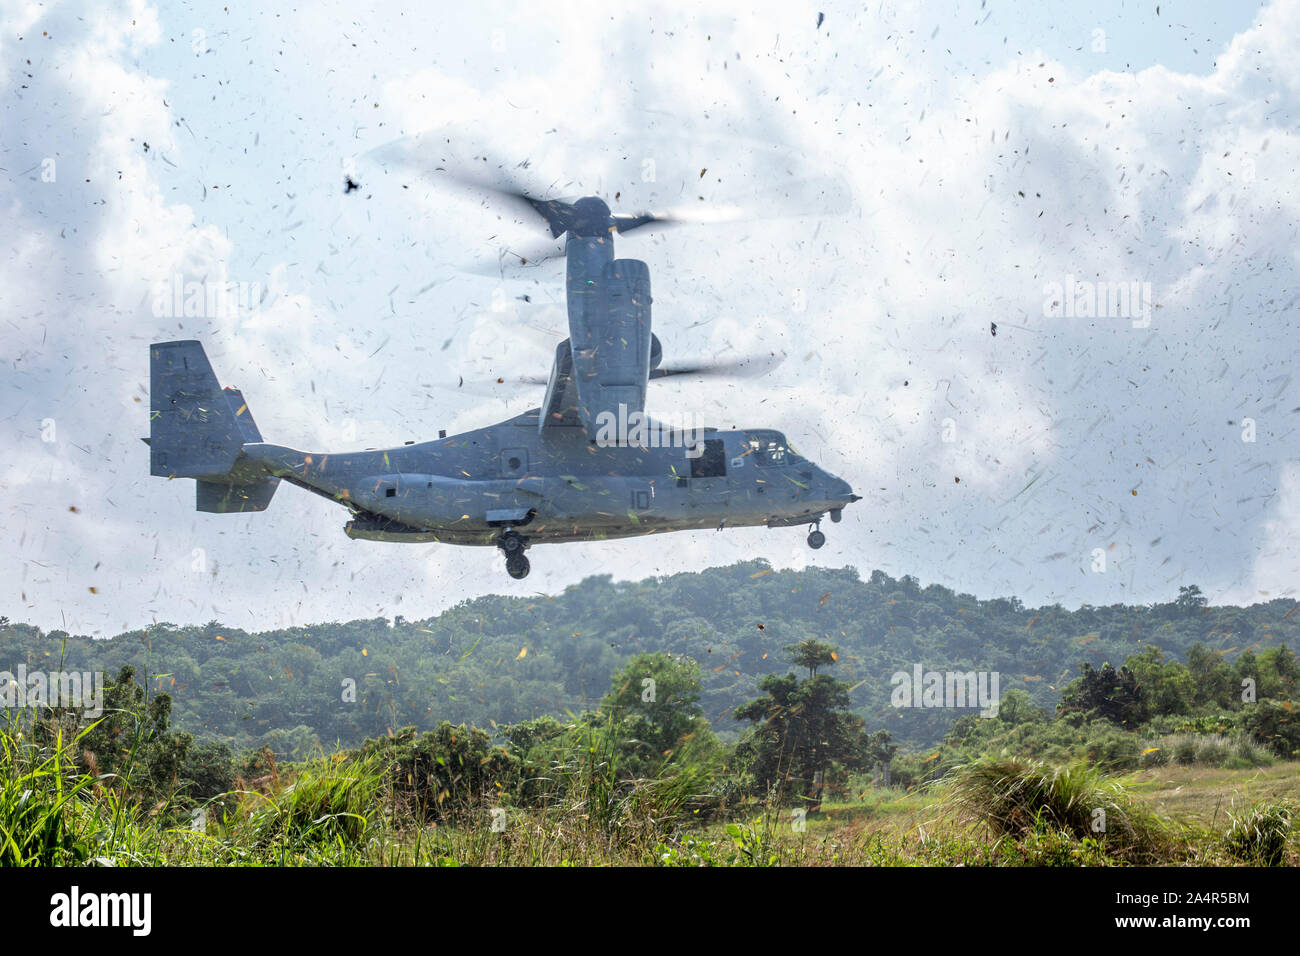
841 491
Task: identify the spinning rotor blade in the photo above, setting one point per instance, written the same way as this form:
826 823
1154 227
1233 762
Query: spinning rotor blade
518 260
435 161
658 220
558 213
583 216
745 367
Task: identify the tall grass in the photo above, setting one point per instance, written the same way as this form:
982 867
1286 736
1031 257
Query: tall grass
36 791
1021 798
343 810
1259 835
1210 750
333 802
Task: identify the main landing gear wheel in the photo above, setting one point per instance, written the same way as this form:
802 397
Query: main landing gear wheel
517 565
816 539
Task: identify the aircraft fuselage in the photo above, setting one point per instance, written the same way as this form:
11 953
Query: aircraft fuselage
559 485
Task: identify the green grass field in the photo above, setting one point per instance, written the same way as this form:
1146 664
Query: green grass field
348 811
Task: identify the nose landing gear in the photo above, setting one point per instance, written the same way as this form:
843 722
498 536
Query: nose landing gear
815 537
512 545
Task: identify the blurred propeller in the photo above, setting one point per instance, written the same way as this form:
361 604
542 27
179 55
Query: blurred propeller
436 159
526 257
747 366
744 367
586 216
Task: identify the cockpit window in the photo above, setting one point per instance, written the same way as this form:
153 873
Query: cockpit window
769 448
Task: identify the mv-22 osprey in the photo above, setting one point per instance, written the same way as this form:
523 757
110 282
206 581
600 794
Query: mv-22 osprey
585 466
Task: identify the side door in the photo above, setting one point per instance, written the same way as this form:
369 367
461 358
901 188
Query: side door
708 478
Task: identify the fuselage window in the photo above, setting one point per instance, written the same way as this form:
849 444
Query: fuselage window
712 463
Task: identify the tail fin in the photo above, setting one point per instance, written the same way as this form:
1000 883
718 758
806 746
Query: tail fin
197 429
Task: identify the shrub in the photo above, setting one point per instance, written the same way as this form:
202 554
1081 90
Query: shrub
1275 723
1017 798
333 800
449 771
1110 749
1048 846
1210 750
1259 835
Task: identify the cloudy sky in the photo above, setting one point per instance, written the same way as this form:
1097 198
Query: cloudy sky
916 173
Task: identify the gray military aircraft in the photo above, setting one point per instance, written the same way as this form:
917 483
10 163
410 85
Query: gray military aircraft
587 465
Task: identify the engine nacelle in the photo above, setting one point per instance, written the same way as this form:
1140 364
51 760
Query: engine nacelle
625 348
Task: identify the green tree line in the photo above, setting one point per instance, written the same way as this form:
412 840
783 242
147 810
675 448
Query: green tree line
499 661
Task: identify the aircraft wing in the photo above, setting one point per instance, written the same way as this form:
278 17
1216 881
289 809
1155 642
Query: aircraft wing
560 409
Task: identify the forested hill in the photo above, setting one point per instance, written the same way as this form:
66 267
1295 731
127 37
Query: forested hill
498 660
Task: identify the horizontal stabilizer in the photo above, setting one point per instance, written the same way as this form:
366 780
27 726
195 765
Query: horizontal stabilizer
222 498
